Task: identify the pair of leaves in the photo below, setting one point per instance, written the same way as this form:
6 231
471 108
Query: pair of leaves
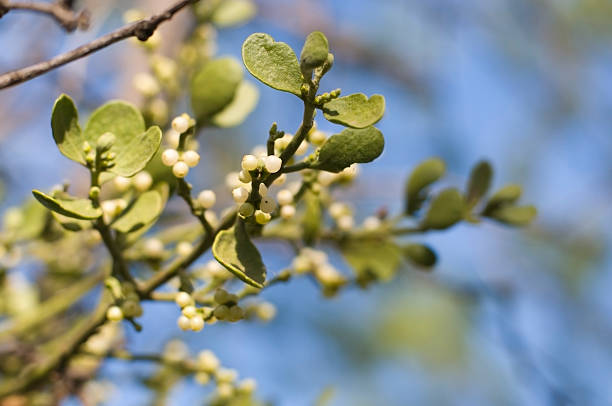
348 147
276 65
501 207
133 146
235 251
426 173
219 96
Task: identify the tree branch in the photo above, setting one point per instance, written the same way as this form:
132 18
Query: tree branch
142 30
64 16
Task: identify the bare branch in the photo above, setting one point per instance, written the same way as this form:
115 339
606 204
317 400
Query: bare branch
142 30
62 14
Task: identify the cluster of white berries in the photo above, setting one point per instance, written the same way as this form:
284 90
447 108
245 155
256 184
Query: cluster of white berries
316 261
180 161
142 181
342 215
209 366
191 318
285 200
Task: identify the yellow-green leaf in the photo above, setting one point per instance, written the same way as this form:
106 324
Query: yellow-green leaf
75 208
425 173
273 63
66 131
372 259
315 50
507 195
355 110
235 251
349 147
145 209
445 210
478 185
420 255
515 215
214 87
71 224
233 12
244 102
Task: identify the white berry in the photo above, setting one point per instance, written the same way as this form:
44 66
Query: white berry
345 222
301 150
284 197
180 169
153 248
207 361
244 176
287 212
143 181
189 311
184 248
280 180
371 223
170 157
240 195
196 323
191 158
184 323
180 124
272 163
249 162
183 299
122 183
207 199
114 313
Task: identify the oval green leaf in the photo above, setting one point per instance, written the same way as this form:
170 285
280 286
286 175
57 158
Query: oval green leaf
479 183
349 147
143 211
315 50
214 86
273 63
425 173
372 259
515 215
66 131
242 105
235 251
134 147
355 110
445 210
420 255
76 208
507 195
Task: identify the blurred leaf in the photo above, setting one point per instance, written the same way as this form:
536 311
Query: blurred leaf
311 222
355 110
273 63
420 255
514 215
214 86
32 220
372 259
507 195
134 147
349 147
233 12
235 251
75 208
479 183
425 173
66 131
445 210
240 107
326 396
145 209
315 50
71 224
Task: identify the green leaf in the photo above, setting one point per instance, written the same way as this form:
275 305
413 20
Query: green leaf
372 259
479 183
445 210
420 255
233 12
507 195
235 251
315 50
31 220
355 110
273 63
235 113
66 131
425 173
145 209
71 224
76 208
349 147
311 222
515 215
134 147
214 86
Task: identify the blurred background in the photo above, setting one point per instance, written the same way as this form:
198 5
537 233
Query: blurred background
508 317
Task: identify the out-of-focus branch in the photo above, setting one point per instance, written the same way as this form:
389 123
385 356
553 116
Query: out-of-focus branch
142 30
64 16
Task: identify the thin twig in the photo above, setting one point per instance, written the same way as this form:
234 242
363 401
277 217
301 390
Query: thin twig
142 30
64 16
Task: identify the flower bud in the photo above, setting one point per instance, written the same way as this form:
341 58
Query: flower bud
180 124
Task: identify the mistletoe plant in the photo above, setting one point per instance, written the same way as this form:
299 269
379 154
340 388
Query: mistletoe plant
132 178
